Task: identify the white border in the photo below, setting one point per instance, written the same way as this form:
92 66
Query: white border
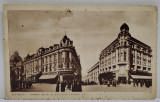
91 2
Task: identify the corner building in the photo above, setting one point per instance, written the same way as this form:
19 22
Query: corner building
127 57
17 76
59 62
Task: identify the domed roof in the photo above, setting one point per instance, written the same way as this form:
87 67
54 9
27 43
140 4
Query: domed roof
124 27
66 41
65 38
16 59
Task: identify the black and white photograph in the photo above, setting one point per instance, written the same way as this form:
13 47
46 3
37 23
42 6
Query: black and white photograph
81 49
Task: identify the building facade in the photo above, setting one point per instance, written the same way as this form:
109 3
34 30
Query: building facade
93 73
57 63
17 76
127 57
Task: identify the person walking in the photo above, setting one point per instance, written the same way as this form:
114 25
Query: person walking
134 84
73 86
63 86
57 87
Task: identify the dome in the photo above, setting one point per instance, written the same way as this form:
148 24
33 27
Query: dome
16 59
124 27
65 38
66 41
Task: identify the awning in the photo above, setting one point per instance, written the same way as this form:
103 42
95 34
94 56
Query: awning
141 77
48 76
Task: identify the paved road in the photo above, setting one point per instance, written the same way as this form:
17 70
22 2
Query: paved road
43 87
119 88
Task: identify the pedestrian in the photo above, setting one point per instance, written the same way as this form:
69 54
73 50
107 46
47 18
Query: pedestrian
79 86
141 83
108 83
69 85
134 84
63 86
73 86
57 87
137 83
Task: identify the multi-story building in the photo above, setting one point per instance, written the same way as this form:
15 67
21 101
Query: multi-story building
93 73
127 57
85 79
57 63
17 76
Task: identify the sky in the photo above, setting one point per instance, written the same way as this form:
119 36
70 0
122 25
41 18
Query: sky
90 31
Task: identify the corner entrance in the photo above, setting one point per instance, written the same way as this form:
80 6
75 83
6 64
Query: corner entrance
122 80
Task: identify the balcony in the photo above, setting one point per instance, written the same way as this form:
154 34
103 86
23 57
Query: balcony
66 69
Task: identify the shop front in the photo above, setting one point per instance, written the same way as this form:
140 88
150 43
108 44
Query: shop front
141 80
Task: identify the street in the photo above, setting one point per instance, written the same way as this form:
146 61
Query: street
44 87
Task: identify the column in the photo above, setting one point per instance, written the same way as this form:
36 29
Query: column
116 55
128 58
147 62
70 59
43 65
135 67
64 58
142 65
57 56
52 57
34 66
39 63
111 59
117 67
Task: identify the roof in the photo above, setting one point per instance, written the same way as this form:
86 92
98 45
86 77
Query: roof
16 60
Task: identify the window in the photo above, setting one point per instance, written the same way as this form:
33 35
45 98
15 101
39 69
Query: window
55 58
144 68
125 43
46 68
121 55
50 67
121 43
124 55
149 69
42 68
67 58
50 58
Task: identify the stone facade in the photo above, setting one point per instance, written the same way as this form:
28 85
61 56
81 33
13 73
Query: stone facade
125 55
93 73
58 61
17 76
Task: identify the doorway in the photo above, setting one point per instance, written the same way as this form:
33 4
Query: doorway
122 80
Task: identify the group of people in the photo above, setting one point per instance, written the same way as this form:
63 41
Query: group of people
137 82
111 82
74 86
